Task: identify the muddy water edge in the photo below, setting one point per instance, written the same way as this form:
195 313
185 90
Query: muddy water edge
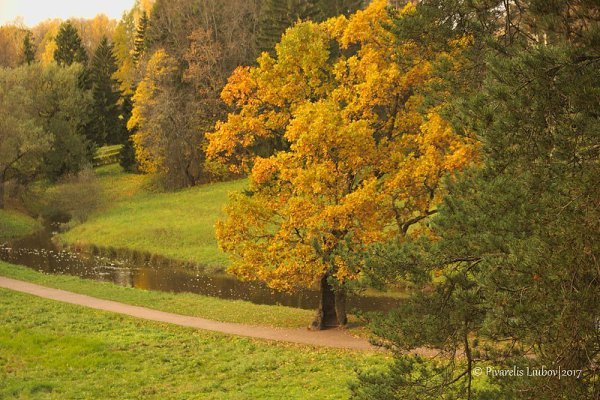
39 252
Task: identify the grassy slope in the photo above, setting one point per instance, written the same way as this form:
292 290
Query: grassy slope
14 224
108 150
177 225
107 155
179 303
54 350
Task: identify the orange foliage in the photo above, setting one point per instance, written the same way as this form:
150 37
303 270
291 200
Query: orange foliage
354 158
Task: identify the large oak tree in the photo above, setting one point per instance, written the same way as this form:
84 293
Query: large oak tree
342 151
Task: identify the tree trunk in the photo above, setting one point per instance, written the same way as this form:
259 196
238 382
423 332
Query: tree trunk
2 194
340 308
332 307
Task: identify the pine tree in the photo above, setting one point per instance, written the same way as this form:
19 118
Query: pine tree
107 126
273 21
69 48
331 8
127 159
511 278
304 10
277 15
139 41
28 49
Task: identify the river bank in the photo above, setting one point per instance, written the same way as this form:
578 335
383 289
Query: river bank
14 224
136 220
180 303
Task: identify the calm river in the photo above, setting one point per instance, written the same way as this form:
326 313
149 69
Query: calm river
40 253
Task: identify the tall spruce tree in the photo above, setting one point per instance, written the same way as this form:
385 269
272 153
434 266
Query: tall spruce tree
127 158
331 8
69 48
511 281
273 21
107 125
276 16
305 10
139 41
28 49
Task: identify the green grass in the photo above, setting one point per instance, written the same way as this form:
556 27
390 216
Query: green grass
179 303
107 155
177 225
14 224
52 350
109 150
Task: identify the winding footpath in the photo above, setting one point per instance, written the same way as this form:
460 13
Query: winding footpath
335 338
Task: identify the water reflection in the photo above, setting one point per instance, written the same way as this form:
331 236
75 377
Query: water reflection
39 253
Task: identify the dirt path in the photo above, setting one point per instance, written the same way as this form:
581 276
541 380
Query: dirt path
328 338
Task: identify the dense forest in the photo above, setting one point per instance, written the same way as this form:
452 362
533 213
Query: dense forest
168 60
449 146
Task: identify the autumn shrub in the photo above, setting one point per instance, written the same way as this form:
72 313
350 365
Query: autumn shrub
74 199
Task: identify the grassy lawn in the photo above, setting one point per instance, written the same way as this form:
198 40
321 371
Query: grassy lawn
52 350
107 154
14 224
177 225
179 303
109 150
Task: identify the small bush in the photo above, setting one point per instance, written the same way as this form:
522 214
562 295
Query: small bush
75 198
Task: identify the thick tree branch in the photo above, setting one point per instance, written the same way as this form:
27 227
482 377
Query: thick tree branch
414 220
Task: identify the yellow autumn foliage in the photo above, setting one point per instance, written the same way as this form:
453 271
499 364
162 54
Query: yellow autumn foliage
159 67
340 151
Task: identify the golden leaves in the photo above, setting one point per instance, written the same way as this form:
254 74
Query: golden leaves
160 67
263 171
366 25
239 87
358 160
